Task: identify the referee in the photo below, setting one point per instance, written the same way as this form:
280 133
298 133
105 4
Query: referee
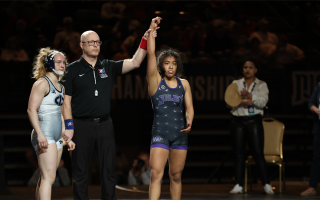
88 85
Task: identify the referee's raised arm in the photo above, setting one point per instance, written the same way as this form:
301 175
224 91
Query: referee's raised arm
136 60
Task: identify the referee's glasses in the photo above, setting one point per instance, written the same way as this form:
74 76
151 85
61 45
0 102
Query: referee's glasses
92 42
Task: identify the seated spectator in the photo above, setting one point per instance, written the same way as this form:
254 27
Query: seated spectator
126 25
286 53
239 40
129 44
140 173
13 51
42 41
64 47
109 48
8 18
219 44
120 55
225 20
175 39
247 26
28 14
267 39
69 35
112 11
25 37
218 3
138 9
197 40
255 52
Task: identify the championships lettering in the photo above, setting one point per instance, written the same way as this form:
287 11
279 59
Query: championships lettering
204 88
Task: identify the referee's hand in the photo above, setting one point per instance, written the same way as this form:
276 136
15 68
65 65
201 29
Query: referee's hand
67 135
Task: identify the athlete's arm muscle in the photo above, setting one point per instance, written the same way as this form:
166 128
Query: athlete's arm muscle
66 107
71 144
153 76
62 119
134 62
66 112
188 105
39 90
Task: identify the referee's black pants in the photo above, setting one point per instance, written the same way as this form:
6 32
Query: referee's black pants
90 136
248 130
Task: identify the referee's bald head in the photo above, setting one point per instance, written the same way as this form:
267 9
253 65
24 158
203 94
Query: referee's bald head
86 34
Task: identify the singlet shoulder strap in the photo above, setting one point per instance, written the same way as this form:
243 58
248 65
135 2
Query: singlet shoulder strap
46 78
161 82
50 86
49 82
179 81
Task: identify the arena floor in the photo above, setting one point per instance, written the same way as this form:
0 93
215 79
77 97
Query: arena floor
205 191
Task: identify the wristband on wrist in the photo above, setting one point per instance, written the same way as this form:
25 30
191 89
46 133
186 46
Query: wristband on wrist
143 44
69 124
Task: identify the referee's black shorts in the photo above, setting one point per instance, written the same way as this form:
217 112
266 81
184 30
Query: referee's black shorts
90 135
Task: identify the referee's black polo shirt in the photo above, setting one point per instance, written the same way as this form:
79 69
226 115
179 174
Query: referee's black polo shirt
79 83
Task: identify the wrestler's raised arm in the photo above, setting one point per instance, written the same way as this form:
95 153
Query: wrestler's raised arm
153 76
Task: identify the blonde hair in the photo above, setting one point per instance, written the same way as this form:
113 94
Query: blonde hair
39 69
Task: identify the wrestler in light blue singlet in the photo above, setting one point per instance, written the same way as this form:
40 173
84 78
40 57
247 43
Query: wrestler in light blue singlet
49 113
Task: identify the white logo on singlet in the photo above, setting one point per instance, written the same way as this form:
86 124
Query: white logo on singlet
163 87
81 75
157 139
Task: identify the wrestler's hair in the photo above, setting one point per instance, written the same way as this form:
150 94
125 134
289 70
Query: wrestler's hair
39 69
163 54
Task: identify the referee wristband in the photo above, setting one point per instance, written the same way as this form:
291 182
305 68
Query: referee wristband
69 124
143 44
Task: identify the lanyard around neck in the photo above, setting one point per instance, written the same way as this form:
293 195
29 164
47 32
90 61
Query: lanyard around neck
245 86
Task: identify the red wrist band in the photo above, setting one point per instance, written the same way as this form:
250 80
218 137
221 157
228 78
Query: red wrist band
143 44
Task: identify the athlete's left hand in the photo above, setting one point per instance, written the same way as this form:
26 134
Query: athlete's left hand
154 33
155 22
71 145
187 129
